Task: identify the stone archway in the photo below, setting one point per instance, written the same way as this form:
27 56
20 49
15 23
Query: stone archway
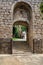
23 23
20 42
22 6
22 12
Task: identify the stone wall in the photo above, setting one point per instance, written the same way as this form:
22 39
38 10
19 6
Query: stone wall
37 24
6 20
5 46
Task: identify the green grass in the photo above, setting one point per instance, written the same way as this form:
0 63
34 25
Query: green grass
15 38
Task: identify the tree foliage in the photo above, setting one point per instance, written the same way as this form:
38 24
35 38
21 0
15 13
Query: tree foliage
17 30
24 28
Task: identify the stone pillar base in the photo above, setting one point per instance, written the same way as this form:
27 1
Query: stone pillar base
5 46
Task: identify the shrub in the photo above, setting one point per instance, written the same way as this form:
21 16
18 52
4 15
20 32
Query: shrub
41 7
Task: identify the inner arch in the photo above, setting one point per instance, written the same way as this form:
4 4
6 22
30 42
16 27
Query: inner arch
22 8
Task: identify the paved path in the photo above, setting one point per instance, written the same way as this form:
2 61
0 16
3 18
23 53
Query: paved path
21 48
33 59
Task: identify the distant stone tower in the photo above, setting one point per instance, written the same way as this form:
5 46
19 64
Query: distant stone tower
24 12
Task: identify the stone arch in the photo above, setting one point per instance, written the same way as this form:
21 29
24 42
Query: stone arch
21 22
21 40
26 8
25 24
23 5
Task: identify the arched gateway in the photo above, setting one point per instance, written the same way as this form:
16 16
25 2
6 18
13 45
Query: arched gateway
22 15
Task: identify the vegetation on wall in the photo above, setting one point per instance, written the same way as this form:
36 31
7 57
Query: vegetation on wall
41 7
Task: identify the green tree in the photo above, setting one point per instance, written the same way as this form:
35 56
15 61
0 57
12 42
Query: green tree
15 32
24 28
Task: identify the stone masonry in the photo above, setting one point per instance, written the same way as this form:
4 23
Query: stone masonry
9 15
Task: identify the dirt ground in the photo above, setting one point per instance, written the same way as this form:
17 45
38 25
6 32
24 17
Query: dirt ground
33 59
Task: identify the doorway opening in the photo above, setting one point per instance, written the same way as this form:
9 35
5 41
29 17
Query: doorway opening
20 37
19 33
22 17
